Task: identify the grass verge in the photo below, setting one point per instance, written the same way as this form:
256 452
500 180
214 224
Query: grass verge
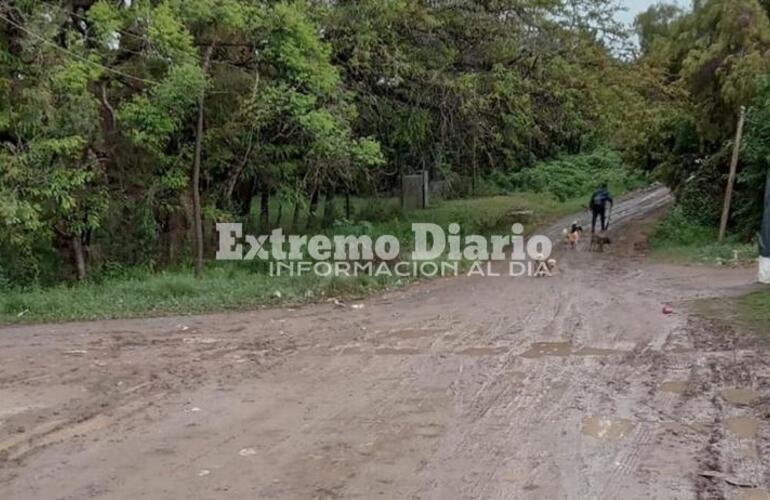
676 239
747 315
236 286
754 310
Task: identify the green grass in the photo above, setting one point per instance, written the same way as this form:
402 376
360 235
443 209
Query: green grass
174 293
747 315
678 240
236 286
754 309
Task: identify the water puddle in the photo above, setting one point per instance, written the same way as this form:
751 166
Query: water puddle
675 386
564 349
544 349
743 427
483 351
754 495
607 429
515 476
749 451
596 351
403 351
738 396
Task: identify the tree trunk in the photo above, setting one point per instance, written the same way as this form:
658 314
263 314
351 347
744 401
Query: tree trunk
347 205
264 209
279 216
295 216
330 212
196 173
80 257
475 165
311 222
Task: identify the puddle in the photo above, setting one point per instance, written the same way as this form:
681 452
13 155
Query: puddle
675 386
607 428
564 349
743 427
740 396
483 351
515 476
753 495
749 451
403 351
544 349
596 351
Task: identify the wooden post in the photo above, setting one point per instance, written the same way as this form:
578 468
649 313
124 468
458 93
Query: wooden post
731 178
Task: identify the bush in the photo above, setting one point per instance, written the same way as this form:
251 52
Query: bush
683 238
572 176
679 229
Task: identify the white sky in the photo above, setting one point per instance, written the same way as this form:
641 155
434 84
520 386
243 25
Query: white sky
634 7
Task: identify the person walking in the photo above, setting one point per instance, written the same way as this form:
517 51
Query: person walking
598 206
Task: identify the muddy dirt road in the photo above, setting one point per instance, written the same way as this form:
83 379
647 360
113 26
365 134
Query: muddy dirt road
576 386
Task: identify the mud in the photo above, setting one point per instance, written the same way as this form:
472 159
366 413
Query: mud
675 386
462 388
753 495
564 349
606 428
743 427
740 396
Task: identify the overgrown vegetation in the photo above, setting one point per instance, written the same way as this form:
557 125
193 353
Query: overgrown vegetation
128 128
133 291
715 58
678 238
755 310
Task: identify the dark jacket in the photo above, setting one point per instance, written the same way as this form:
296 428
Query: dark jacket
600 199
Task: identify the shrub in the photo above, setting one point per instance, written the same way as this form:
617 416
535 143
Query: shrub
572 176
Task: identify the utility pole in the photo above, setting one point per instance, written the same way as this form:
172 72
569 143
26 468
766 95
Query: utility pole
196 173
764 238
731 179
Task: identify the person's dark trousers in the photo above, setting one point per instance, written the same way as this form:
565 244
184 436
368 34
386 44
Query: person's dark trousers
598 213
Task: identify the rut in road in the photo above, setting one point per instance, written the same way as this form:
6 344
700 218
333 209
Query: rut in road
575 386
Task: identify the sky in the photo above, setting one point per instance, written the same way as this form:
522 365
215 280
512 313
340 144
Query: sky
636 6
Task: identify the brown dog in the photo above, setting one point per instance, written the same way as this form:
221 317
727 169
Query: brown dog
598 241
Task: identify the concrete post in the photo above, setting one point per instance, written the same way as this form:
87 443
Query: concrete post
764 238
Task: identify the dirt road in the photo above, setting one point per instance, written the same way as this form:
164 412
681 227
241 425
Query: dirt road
576 386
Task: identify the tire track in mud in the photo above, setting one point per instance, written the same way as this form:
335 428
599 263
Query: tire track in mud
443 390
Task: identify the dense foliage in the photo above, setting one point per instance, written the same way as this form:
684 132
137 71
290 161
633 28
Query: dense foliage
717 58
128 127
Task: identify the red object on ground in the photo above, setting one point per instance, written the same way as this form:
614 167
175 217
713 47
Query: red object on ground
668 310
